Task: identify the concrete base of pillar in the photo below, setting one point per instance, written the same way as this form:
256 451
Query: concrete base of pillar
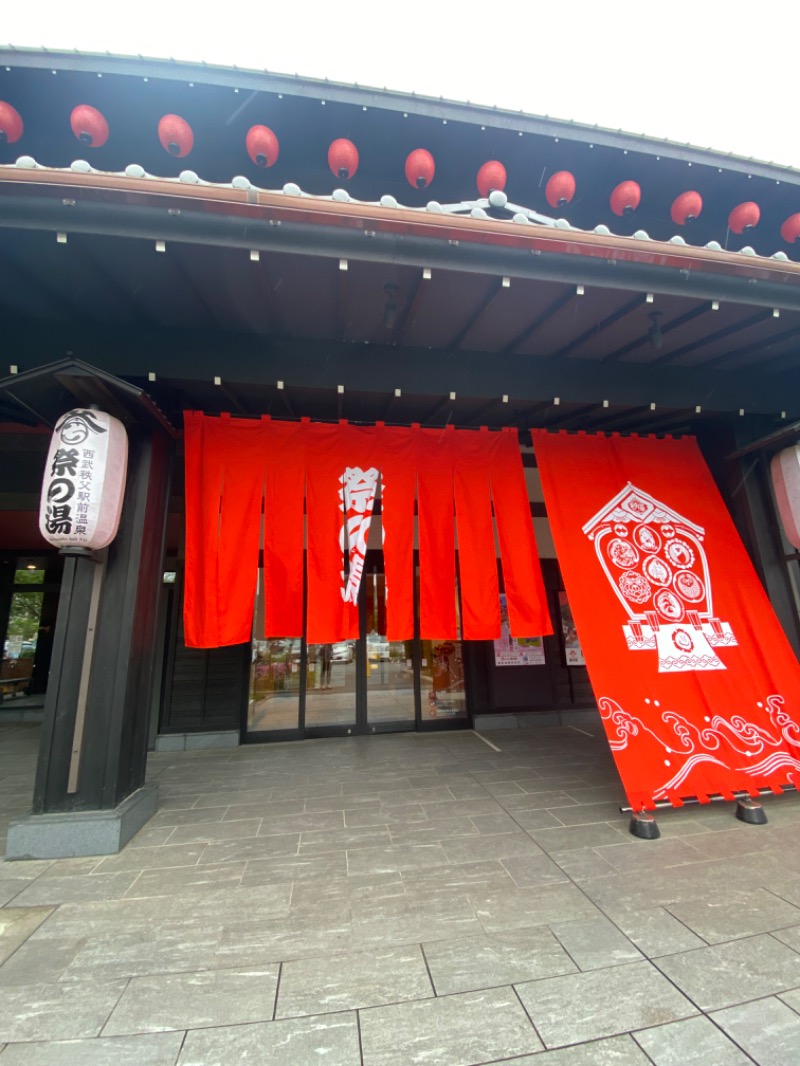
77 833
197 741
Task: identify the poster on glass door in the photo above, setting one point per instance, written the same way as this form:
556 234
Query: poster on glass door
526 651
572 646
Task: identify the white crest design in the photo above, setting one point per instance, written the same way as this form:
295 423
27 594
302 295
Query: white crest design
357 497
655 561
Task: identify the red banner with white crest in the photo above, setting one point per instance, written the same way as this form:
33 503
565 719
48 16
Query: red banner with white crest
278 484
697 685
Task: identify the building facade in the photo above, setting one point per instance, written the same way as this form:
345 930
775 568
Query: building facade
183 238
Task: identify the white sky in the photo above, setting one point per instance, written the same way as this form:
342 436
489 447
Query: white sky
712 73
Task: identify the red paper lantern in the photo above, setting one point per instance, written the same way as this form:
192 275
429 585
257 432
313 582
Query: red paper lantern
560 189
686 207
744 217
343 158
262 146
175 135
790 230
10 124
89 126
420 168
625 198
491 176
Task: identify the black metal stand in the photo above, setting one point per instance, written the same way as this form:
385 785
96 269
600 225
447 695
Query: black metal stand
644 825
750 811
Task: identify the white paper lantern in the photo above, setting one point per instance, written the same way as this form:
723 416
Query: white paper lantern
785 469
84 480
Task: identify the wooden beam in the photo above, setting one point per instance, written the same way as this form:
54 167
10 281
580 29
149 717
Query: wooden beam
557 305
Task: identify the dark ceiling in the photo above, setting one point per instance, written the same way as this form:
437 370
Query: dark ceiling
343 343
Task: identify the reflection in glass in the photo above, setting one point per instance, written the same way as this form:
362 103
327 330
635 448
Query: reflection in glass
390 669
331 684
22 633
442 679
274 685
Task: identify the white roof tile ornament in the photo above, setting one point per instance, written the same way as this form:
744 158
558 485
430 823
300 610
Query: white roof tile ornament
483 209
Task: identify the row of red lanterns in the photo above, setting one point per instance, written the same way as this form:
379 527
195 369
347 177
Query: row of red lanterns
176 137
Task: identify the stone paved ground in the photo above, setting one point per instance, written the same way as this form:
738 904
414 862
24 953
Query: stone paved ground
403 900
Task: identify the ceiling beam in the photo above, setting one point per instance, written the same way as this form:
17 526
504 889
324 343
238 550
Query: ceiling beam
184 281
576 413
408 312
711 338
89 390
341 302
676 323
63 306
265 290
475 418
550 312
491 294
788 334
604 324
438 410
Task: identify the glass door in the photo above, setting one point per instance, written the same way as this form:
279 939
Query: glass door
332 685
368 685
390 690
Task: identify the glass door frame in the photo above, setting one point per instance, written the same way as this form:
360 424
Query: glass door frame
361 725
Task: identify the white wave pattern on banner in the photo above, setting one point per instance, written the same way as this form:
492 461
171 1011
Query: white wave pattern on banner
677 739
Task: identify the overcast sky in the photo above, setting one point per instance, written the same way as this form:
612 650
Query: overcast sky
720 75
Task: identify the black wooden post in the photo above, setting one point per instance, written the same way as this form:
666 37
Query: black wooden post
90 795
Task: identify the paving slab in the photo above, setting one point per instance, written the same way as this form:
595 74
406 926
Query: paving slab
727 974
730 915
58 1011
195 1000
76 888
153 1049
39 961
692 1042
654 930
331 1039
594 943
504 909
615 1051
471 963
350 981
767 1029
16 925
587 1006
457 1030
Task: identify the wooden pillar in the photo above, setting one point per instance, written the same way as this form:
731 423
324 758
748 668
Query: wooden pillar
94 740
